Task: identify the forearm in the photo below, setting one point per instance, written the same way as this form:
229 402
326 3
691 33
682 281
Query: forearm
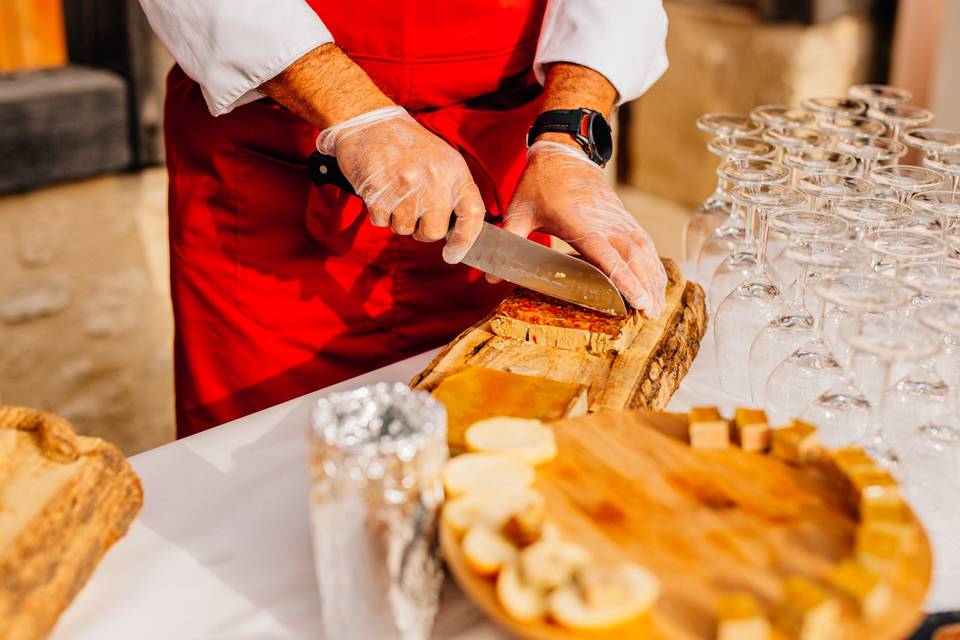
571 86
325 87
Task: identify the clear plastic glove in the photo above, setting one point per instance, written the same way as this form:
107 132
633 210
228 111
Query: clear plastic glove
565 194
409 178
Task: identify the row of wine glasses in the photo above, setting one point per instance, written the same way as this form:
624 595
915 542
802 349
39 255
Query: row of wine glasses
832 274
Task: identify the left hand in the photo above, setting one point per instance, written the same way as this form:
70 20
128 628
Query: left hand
562 192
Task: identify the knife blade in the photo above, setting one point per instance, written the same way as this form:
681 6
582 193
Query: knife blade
517 260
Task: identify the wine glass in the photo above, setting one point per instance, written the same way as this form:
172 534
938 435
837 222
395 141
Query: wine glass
780 116
793 139
806 161
906 180
718 209
888 340
932 142
741 254
793 325
813 368
942 206
851 127
867 150
879 95
893 248
829 109
748 307
948 164
922 394
824 189
871 214
900 116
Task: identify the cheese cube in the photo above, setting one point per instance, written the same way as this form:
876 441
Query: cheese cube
795 443
868 592
739 617
807 612
878 495
708 429
750 429
879 548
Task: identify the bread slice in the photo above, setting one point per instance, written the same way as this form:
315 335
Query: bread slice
64 500
529 316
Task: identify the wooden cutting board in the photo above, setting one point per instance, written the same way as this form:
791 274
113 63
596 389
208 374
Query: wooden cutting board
644 376
627 487
64 500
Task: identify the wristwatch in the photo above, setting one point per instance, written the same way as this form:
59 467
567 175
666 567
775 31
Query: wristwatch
587 127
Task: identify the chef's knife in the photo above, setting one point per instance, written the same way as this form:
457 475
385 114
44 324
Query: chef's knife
512 258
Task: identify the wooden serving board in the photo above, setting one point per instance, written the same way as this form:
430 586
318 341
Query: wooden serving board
627 487
64 500
645 375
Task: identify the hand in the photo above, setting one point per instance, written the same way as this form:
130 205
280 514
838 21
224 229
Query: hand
409 178
565 194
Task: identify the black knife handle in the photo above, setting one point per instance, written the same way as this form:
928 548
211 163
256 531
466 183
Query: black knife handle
324 170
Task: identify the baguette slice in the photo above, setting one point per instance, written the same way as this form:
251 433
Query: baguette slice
529 440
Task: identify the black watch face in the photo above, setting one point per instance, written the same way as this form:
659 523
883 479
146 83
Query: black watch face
602 138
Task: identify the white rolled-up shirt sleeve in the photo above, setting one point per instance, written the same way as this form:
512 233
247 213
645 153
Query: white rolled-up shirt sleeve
624 40
231 47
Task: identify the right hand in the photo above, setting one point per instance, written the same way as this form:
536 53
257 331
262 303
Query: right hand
409 178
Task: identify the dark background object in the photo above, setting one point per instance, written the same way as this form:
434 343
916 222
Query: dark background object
934 622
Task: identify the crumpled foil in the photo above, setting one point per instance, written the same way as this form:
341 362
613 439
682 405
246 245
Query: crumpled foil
376 454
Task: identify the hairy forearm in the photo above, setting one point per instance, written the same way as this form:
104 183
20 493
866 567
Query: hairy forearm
325 87
571 86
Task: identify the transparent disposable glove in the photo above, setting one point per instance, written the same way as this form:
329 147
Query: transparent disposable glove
565 194
409 178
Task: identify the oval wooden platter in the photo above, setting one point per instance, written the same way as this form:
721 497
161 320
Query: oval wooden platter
628 487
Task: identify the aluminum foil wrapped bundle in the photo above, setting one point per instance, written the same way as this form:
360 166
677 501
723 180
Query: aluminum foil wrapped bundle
376 454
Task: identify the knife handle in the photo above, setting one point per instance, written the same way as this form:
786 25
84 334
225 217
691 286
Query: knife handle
324 170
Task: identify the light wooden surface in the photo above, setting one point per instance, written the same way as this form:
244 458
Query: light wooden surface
643 376
706 522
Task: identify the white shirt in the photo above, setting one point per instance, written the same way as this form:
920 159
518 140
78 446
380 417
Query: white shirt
231 47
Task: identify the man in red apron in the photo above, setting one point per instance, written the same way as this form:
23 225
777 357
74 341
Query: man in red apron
280 287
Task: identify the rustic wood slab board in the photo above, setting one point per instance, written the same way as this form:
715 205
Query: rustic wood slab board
644 376
57 519
626 486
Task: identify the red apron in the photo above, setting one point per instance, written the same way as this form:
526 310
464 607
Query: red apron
280 288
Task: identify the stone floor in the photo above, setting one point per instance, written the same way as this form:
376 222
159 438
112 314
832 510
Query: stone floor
85 322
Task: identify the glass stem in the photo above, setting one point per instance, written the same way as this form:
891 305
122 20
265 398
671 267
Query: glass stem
800 289
866 168
881 411
764 237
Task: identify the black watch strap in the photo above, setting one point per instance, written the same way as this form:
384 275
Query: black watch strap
584 125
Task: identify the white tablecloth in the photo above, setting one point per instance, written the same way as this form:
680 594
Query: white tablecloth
222 546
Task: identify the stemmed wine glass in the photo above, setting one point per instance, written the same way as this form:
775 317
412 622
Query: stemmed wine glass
942 206
825 189
894 248
879 95
922 393
871 214
888 340
851 127
883 151
793 139
752 303
900 116
948 164
793 325
807 161
906 180
814 368
828 109
841 405
733 141
779 117
718 209
932 142
728 251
